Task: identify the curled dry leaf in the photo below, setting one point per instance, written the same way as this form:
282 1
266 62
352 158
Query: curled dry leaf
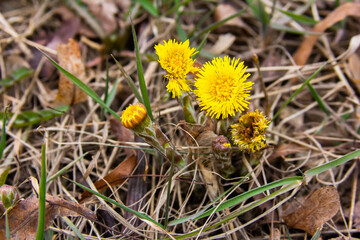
319 208
23 217
115 177
69 58
348 9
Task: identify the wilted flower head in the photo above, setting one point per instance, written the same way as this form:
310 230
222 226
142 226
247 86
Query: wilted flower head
221 87
133 116
176 59
249 133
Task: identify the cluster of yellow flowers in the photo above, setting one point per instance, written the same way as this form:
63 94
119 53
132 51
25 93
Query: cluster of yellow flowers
221 90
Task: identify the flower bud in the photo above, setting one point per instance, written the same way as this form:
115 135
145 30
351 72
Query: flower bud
9 196
221 149
134 117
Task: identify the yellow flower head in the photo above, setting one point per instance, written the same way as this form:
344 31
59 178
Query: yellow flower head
221 87
176 59
249 133
133 116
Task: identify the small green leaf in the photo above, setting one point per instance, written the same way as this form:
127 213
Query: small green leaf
28 118
149 6
299 18
3 176
17 76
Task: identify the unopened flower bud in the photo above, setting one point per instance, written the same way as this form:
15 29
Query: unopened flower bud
134 117
9 196
221 148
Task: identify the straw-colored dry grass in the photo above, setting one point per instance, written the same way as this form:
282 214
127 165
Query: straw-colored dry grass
303 136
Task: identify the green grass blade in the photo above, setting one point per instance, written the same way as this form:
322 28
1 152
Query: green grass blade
257 203
292 30
147 4
297 91
318 99
200 46
64 169
249 206
238 199
259 11
216 25
42 196
184 219
82 86
130 82
73 227
299 18
140 71
317 233
136 213
111 96
106 86
3 134
314 171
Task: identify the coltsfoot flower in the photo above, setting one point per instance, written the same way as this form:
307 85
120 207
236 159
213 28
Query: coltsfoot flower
249 133
221 87
133 116
176 59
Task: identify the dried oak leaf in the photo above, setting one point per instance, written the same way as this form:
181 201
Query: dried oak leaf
23 218
115 177
69 58
320 207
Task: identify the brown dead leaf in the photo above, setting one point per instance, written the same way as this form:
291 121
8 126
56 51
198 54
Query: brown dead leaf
23 217
348 9
69 58
320 207
223 11
284 150
354 70
115 177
